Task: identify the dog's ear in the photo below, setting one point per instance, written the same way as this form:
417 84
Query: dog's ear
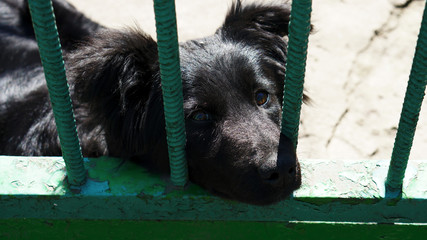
114 68
255 17
113 76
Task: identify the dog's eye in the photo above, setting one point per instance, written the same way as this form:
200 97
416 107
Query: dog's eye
201 115
262 98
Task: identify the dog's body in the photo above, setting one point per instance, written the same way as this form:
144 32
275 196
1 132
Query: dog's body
232 84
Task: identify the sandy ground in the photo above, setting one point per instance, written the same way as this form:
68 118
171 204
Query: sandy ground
358 65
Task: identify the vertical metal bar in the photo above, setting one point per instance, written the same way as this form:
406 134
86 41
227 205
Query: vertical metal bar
53 64
409 117
167 42
299 29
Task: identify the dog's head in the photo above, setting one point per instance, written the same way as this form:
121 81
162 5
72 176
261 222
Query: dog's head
233 91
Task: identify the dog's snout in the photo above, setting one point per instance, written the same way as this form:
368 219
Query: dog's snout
275 171
280 168
268 171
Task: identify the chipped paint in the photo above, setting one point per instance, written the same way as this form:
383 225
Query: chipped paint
335 191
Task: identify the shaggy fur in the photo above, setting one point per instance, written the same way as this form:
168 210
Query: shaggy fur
232 84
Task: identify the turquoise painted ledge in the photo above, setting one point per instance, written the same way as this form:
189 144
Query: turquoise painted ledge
333 191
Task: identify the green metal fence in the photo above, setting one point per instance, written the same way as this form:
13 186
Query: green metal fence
170 72
409 117
299 28
53 65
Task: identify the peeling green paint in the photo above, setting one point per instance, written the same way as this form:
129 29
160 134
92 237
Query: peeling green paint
119 190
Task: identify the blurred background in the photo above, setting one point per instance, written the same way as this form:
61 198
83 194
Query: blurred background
359 60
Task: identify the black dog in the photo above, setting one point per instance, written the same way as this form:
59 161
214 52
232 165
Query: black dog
232 97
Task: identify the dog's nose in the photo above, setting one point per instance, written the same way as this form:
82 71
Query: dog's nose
280 168
270 174
275 171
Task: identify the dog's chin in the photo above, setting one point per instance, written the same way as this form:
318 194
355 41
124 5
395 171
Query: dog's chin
261 195
269 199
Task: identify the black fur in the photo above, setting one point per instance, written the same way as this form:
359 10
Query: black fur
232 140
